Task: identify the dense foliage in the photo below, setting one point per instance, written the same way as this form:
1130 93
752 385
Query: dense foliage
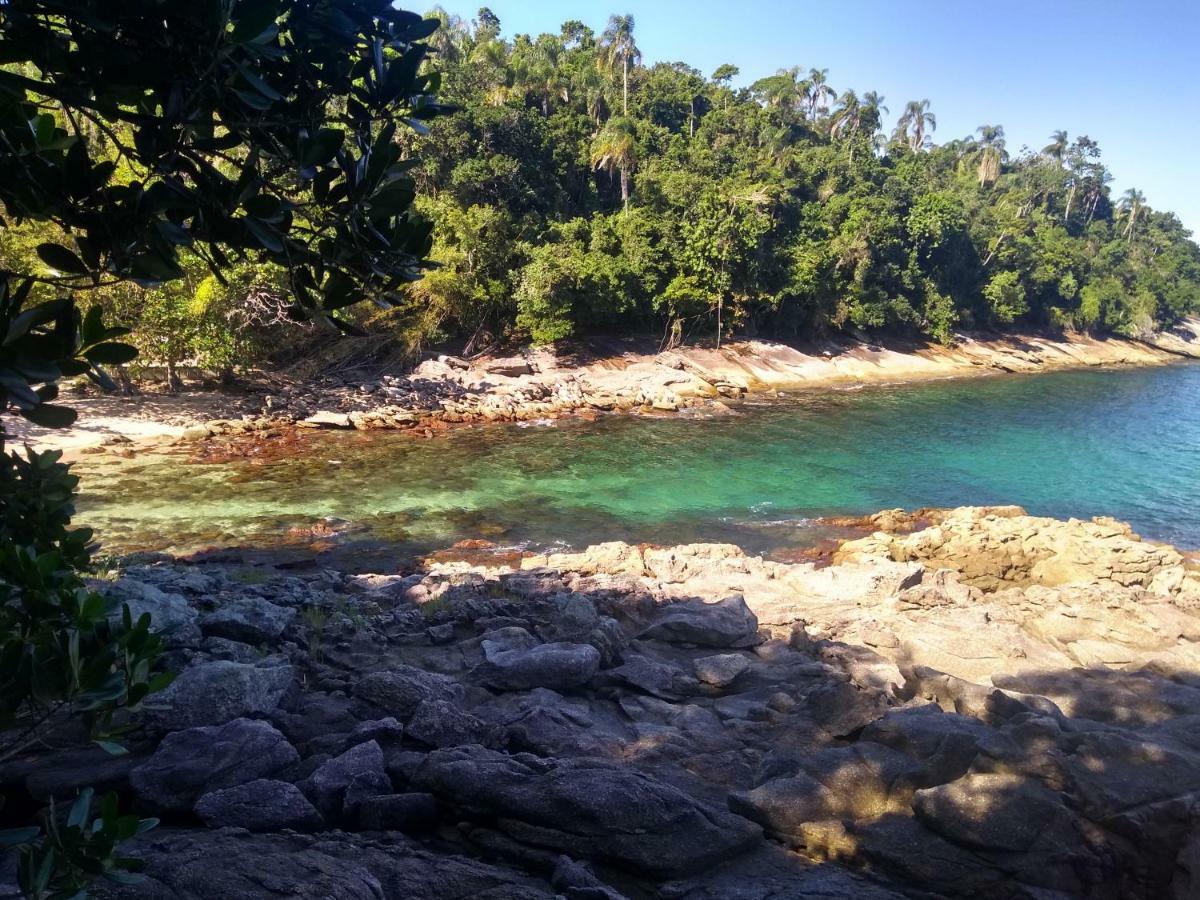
579 190
206 155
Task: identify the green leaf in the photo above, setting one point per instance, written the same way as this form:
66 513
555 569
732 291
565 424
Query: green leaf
58 257
321 147
264 234
112 748
11 837
253 18
111 354
50 416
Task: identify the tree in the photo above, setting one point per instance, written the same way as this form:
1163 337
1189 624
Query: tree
1132 203
619 48
615 150
990 153
1057 148
818 91
915 123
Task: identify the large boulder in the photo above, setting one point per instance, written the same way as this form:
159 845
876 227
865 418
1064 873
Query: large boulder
210 693
557 666
251 620
588 808
361 767
170 614
725 623
401 690
259 805
188 764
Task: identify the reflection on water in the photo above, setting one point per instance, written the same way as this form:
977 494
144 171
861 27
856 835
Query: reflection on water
1081 443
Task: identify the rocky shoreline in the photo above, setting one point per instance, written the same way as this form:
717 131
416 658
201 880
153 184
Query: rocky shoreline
541 384
963 703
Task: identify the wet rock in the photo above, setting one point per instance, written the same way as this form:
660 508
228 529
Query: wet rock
401 690
251 620
557 666
191 763
588 808
209 693
726 623
721 670
259 805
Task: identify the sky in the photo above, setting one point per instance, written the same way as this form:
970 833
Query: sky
1127 74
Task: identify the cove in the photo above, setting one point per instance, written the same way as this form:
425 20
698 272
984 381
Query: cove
1124 443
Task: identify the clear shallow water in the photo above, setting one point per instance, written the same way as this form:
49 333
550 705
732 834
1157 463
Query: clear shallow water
1123 443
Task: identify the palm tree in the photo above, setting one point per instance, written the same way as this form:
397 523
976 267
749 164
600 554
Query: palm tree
914 122
1132 203
818 91
615 150
618 46
786 89
1057 148
847 118
990 151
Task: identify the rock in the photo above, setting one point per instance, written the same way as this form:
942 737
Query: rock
209 693
251 620
726 623
327 786
993 812
557 666
191 763
720 670
327 419
510 367
259 805
398 812
401 690
236 865
439 723
170 614
588 808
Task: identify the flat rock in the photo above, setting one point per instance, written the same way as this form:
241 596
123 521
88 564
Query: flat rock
401 690
251 620
557 666
725 623
588 808
209 693
720 670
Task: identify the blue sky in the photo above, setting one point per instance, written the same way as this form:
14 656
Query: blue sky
1127 74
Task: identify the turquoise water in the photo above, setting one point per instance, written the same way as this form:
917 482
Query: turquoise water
1123 443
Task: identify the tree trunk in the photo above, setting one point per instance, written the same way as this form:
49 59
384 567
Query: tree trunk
1070 197
174 384
625 86
720 305
625 187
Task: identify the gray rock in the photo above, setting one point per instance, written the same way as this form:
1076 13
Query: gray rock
401 690
558 666
327 786
398 812
327 419
992 812
170 614
442 724
259 805
251 620
188 764
210 693
726 623
236 651
510 367
588 808
721 670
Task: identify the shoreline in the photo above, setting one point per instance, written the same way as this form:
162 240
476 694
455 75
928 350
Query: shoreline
539 384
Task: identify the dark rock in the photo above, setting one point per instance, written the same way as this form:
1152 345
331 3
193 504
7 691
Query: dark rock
235 865
841 708
588 808
210 693
197 761
327 786
558 666
251 620
259 805
398 812
62 773
401 690
576 881
721 670
441 724
170 614
726 623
